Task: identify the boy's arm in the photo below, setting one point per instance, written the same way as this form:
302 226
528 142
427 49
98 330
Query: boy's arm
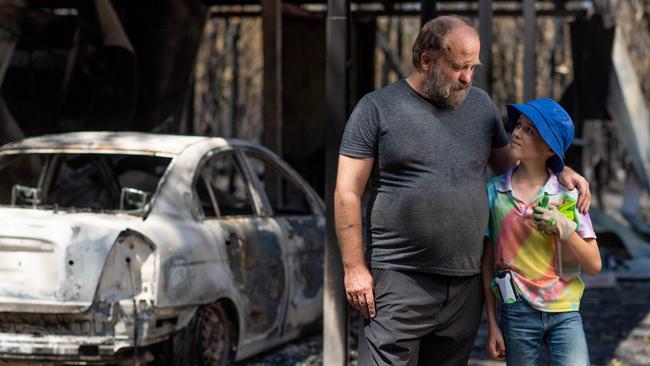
552 221
586 252
496 346
487 271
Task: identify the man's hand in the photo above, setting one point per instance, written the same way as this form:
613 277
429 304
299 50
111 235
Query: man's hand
570 179
358 289
496 347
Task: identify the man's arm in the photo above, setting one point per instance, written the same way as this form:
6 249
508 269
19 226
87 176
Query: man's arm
570 179
351 180
501 159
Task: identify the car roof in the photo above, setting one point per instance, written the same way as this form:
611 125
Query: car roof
138 142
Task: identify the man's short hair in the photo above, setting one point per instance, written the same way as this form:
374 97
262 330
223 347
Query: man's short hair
432 36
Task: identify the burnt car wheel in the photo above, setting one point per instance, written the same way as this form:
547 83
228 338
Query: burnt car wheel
208 340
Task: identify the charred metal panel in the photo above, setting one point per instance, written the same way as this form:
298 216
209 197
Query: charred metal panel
255 258
43 324
306 240
122 277
627 105
189 269
69 249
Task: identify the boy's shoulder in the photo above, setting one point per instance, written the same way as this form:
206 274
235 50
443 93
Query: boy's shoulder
557 188
567 195
495 186
501 181
495 181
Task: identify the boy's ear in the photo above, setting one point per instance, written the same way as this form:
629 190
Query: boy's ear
550 152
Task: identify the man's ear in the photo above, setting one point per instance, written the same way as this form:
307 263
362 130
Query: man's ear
425 61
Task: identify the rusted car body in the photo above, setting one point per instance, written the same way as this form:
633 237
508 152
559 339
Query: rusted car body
111 243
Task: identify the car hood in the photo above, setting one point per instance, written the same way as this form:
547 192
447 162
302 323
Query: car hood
52 261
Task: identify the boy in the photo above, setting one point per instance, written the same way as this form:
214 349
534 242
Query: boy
537 241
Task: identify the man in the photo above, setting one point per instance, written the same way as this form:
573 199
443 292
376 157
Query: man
422 145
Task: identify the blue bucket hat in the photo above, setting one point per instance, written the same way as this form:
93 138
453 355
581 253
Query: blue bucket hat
553 124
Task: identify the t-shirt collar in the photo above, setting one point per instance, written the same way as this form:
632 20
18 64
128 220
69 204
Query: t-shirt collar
551 187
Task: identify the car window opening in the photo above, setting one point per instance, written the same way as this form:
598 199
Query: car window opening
81 181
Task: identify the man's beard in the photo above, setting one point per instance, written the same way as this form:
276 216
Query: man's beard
443 93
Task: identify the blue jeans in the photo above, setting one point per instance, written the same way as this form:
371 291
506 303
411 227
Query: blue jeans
525 328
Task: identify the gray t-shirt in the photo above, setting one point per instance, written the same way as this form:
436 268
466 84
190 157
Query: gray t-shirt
427 210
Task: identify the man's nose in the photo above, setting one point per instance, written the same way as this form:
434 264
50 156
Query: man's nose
466 76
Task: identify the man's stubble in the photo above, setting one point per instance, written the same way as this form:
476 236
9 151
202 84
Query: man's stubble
444 94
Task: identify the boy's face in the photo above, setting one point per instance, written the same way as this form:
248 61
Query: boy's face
526 143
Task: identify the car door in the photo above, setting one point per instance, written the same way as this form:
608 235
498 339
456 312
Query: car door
253 243
298 211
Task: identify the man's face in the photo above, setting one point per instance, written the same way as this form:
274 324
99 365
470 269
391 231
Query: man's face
450 75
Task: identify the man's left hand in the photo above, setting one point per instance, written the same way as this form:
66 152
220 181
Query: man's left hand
570 179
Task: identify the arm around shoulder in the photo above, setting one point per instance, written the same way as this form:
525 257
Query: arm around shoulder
570 179
501 159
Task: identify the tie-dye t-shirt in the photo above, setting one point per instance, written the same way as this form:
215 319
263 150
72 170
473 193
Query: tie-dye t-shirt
531 255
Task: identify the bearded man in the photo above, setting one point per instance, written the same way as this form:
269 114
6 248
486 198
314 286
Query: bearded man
421 146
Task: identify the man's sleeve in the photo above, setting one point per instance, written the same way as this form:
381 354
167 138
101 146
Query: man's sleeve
361 131
499 135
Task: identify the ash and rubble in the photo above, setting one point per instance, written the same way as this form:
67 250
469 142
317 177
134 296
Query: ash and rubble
616 321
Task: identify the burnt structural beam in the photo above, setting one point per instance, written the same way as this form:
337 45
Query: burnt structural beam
272 89
428 11
335 324
530 21
484 76
11 13
233 38
470 13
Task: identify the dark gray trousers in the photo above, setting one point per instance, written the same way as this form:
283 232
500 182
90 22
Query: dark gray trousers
422 319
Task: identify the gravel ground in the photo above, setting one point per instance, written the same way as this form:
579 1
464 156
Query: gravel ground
617 323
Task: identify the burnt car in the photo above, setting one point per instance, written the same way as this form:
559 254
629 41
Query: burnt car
178 249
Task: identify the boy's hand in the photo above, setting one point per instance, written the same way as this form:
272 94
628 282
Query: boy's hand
570 179
496 347
551 221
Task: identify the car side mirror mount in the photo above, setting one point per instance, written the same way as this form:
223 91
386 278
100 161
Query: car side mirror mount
132 199
25 195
